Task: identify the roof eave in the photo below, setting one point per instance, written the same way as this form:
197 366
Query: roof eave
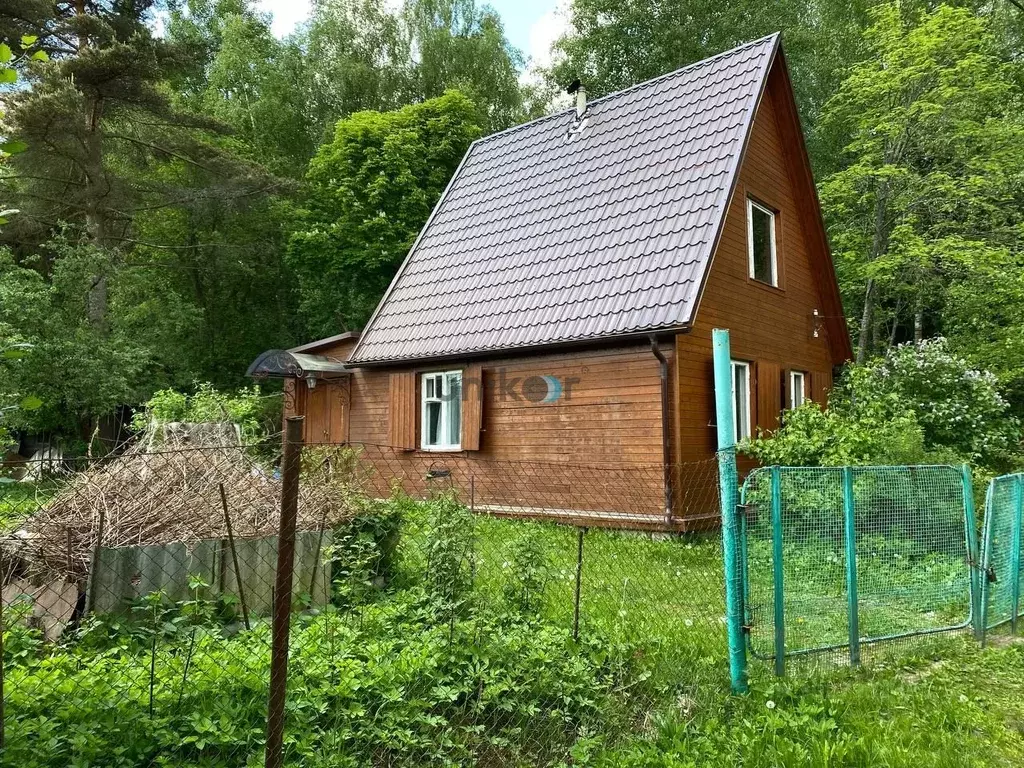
572 345
309 346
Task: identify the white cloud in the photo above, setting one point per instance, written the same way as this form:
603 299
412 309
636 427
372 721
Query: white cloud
286 14
543 34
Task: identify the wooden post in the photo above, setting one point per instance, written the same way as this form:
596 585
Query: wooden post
290 466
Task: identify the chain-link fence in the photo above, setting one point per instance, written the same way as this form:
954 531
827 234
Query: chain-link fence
1002 549
838 558
444 609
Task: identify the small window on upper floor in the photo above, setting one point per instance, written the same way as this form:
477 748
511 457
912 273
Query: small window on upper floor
761 243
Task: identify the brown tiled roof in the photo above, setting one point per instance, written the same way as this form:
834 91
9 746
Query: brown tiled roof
543 237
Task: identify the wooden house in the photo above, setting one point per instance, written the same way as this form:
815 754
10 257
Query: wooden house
556 310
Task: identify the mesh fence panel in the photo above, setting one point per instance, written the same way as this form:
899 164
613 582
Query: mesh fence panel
910 556
1002 547
445 609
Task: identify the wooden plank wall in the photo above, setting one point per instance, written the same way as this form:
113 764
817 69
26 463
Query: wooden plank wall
609 417
770 327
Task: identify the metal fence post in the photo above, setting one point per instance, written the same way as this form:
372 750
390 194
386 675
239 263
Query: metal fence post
580 533
850 535
290 467
778 586
1018 513
971 532
727 479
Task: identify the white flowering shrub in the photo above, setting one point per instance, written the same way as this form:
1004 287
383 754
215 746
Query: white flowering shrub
959 408
920 403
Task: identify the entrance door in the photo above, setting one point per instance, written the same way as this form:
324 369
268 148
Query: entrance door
325 407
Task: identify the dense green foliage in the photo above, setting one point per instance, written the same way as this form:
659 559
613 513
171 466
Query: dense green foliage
255 414
158 176
917 404
369 192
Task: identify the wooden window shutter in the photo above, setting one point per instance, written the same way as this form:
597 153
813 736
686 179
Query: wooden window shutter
769 395
402 410
821 383
472 406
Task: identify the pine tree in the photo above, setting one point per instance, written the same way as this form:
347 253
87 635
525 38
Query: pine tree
105 141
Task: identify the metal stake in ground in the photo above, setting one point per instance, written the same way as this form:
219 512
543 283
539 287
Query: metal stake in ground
580 533
234 557
290 466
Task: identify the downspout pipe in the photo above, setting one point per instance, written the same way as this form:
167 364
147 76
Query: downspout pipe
666 435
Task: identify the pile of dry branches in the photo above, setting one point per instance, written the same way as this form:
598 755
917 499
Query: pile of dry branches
173 486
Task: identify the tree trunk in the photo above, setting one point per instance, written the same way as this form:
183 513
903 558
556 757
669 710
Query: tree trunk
879 242
865 321
918 324
95 191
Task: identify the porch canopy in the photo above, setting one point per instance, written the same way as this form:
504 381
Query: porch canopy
284 364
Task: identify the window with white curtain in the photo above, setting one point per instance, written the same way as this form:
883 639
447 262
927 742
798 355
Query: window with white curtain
797 393
441 408
740 400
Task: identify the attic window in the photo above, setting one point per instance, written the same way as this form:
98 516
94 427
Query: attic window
761 243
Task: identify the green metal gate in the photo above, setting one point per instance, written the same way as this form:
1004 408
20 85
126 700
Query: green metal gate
1002 549
835 558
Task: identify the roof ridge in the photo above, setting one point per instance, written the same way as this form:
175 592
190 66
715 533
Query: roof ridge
629 88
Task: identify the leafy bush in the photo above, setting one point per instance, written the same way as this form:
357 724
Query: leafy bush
958 407
530 571
254 413
449 552
918 404
364 554
389 684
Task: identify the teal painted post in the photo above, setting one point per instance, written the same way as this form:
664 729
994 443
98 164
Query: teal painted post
850 534
778 587
971 533
1018 501
986 554
727 480
744 565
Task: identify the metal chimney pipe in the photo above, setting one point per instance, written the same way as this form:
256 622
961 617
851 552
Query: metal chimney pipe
581 102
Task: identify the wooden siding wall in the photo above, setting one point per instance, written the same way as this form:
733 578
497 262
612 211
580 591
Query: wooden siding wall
771 327
609 417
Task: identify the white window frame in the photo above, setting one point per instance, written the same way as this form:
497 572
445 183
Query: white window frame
740 416
794 377
751 205
446 444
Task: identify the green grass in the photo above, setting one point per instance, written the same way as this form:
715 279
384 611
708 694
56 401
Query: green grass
940 703
19 501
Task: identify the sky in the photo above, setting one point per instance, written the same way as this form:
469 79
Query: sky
530 25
